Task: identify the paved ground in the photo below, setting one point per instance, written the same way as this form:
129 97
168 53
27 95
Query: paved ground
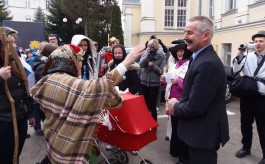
158 151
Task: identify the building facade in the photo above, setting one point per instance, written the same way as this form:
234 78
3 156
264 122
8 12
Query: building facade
24 10
235 21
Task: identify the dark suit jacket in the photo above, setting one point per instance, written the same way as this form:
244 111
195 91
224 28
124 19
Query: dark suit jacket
203 122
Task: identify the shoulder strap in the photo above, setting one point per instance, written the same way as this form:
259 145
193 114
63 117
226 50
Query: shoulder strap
259 66
235 74
238 71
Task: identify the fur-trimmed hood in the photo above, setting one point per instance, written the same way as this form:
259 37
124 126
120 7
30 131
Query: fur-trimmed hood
76 39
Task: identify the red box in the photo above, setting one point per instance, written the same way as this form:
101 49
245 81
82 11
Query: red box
133 127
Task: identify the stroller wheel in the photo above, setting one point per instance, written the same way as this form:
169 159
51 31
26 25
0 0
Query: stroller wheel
134 153
145 161
121 156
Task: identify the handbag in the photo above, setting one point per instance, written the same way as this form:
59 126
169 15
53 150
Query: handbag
245 85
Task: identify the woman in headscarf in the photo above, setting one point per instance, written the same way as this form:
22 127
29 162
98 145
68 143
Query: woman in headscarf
72 105
131 78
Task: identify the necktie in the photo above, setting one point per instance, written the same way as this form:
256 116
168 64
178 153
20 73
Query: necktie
191 59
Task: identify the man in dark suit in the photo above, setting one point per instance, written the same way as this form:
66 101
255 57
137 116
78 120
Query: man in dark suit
203 123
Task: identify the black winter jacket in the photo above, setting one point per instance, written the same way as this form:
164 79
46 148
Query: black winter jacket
18 91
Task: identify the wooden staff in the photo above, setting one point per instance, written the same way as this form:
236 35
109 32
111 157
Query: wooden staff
10 98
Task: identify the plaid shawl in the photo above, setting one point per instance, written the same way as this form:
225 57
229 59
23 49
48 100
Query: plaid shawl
72 108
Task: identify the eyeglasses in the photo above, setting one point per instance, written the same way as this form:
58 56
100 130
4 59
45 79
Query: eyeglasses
81 45
52 39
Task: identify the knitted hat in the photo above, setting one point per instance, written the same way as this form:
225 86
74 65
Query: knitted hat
70 52
9 31
64 59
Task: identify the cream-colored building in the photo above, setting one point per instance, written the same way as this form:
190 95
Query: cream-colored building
235 21
24 10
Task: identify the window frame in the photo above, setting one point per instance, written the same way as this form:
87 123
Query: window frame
47 3
211 8
231 5
27 3
175 14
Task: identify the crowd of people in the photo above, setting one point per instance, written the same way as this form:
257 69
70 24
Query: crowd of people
65 88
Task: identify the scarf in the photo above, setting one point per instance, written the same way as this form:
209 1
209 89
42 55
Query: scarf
179 69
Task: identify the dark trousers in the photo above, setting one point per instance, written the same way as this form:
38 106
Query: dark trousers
150 97
202 156
177 147
36 115
252 108
7 143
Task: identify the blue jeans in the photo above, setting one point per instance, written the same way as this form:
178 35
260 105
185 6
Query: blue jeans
36 114
7 143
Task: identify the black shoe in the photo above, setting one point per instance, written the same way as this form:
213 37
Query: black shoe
39 132
166 138
242 153
28 136
262 161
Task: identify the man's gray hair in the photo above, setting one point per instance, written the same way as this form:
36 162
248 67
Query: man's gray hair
205 25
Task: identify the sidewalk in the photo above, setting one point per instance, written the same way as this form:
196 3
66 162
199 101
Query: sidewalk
158 151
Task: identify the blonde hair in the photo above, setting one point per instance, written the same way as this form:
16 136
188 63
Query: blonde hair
153 43
113 39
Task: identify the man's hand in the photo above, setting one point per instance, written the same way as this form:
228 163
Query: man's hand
5 72
170 106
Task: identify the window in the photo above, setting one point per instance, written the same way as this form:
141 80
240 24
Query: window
227 53
28 19
169 13
211 8
182 9
27 2
175 13
231 4
47 2
6 2
200 7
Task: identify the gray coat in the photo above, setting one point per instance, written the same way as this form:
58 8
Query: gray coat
150 76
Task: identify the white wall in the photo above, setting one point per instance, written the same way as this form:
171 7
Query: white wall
20 12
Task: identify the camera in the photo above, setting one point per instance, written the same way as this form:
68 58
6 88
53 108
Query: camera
247 46
152 54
